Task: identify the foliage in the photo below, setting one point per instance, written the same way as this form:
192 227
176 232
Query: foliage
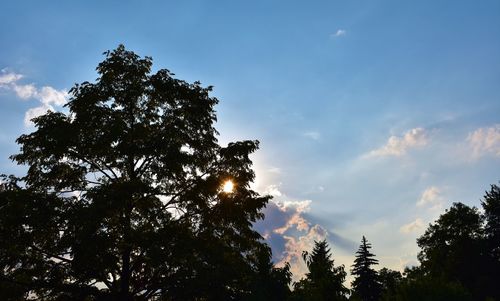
270 282
491 206
366 284
453 249
324 281
122 195
389 280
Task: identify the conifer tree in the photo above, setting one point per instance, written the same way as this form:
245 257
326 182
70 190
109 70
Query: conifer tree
366 285
324 281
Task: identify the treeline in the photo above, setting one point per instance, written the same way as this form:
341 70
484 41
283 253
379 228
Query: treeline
459 260
122 200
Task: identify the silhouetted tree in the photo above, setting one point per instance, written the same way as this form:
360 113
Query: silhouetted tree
366 285
324 281
270 282
389 280
491 206
453 250
122 198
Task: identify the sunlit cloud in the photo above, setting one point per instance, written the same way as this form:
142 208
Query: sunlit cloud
415 226
294 247
431 198
399 145
485 141
47 96
273 190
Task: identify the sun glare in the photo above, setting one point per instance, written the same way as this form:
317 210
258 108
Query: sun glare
228 186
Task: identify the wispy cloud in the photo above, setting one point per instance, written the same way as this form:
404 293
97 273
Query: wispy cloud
414 226
47 96
399 145
338 33
432 198
485 141
312 135
7 77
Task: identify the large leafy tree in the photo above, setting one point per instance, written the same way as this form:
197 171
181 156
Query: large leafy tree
324 281
453 250
122 198
491 206
366 285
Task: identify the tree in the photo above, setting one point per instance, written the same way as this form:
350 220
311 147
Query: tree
491 206
122 198
270 282
389 280
324 281
453 250
366 284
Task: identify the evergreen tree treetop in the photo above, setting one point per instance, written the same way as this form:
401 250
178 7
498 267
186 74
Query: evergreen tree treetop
366 284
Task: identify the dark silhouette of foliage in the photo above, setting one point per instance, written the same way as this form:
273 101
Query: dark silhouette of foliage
324 281
366 285
491 206
270 282
122 197
389 280
453 250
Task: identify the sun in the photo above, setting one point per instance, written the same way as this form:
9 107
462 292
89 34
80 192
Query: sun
228 186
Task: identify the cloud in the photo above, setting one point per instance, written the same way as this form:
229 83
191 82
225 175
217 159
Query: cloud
312 135
414 226
7 78
338 33
431 197
274 170
294 247
25 91
289 230
295 219
399 145
47 96
273 190
485 141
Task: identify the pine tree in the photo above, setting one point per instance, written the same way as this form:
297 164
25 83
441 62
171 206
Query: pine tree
366 285
324 281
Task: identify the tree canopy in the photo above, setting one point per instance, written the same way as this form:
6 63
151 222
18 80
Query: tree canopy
366 284
123 199
324 281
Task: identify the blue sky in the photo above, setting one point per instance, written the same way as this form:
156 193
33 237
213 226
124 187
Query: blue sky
373 116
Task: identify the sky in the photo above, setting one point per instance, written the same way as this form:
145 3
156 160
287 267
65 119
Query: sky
372 116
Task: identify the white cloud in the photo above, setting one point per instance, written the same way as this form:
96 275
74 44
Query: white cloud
47 96
339 33
399 145
431 197
312 135
35 112
484 141
273 190
7 78
414 226
25 91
